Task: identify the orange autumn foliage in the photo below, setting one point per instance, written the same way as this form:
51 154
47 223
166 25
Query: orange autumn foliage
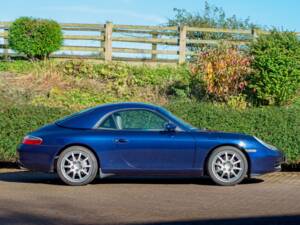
223 71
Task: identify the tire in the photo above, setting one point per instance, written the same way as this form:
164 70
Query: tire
227 166
77 166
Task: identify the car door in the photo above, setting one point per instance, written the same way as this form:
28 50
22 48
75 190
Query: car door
143 144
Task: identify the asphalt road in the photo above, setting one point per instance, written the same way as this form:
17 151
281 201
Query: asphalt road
41 199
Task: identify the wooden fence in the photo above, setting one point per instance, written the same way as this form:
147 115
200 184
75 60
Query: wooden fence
136 43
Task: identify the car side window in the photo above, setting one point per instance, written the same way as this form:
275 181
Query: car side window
108 123
139 119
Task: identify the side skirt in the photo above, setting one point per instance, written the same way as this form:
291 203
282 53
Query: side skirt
181 173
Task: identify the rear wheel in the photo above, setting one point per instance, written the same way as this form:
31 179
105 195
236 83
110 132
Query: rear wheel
227 166
77 165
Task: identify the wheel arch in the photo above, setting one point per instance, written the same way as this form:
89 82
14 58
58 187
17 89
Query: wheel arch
74 144
223 145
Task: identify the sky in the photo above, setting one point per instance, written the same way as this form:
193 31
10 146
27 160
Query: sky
279 13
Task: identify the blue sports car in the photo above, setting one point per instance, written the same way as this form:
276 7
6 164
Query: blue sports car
142 139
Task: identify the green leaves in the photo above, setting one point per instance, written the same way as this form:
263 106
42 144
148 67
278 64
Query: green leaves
36 38
276 65
124 80
210 17
16 121
59 88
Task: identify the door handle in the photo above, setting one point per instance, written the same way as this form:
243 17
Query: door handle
121 140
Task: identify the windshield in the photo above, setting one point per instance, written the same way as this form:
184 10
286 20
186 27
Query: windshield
177 120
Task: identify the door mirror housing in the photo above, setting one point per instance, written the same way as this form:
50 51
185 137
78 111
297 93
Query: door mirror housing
171 127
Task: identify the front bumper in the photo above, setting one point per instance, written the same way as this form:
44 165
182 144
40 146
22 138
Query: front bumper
267 162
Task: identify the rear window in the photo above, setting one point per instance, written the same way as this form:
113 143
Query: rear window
74 115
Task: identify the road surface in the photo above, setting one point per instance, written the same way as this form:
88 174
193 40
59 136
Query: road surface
41 199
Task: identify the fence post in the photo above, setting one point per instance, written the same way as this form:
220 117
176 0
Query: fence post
101 43
108 41
154 47
182 44
254 33
5 43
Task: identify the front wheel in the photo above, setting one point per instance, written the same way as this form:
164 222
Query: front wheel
77 166
227 166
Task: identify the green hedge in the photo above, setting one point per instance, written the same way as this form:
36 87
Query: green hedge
279 126
16 121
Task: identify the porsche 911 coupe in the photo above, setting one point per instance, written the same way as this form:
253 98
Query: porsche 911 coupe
137 139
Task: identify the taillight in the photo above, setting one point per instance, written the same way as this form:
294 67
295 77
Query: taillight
32 140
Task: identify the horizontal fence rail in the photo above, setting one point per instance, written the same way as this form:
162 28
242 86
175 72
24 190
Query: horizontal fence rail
137 43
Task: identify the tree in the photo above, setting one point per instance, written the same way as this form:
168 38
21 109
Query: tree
212 17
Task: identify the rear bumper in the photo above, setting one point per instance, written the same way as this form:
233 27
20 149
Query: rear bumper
38 158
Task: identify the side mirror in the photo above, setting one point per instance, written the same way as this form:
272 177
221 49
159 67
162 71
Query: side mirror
171 127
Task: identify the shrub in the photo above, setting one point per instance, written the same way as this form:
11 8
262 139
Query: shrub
238 102
17 66
277 68
36 38
73 99
126 80
78 83
79 69
142 74
180 89
16 121
223 71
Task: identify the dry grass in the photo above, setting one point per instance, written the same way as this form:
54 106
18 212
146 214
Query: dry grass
38 85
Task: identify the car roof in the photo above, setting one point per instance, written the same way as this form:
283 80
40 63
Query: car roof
86 119
126 105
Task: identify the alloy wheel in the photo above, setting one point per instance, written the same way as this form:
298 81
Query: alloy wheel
77 165
227 165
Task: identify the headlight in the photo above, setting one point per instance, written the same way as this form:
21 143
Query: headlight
266 144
